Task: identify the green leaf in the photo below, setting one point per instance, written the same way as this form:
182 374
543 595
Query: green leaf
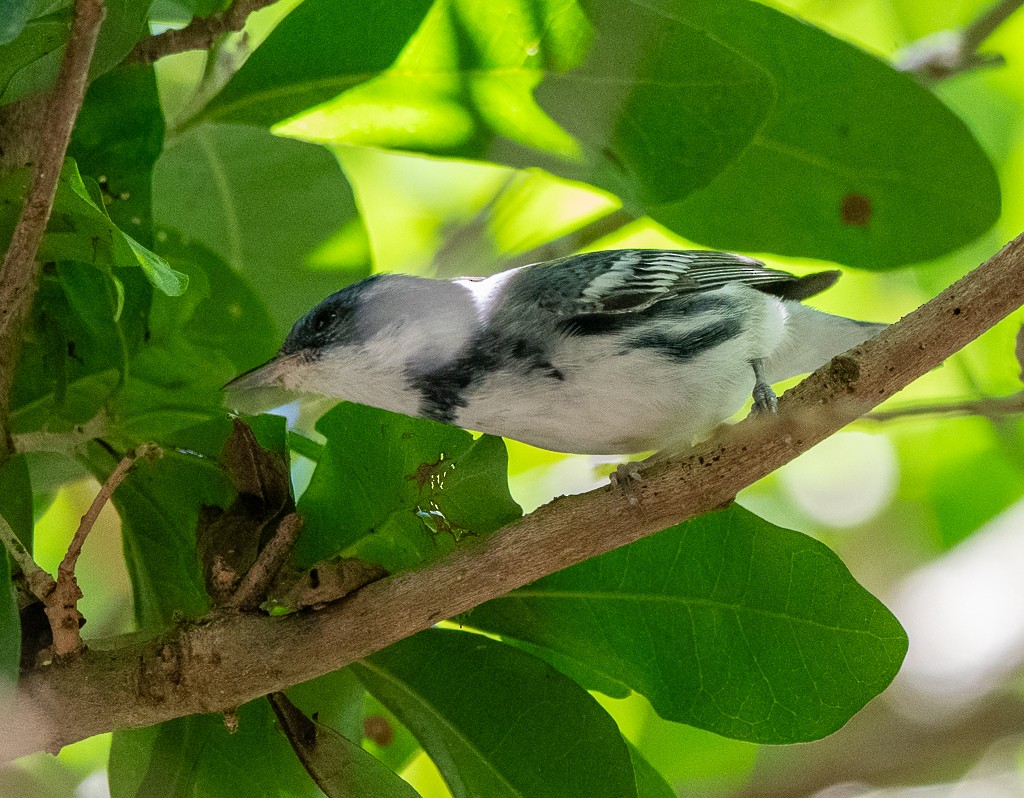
649 783
10 630
876 175
30 61
160 504
338 766
263 204
315 54
725 622
117 139
80 230
720 119
195 344
396 491
198 756
13 16
16 498
75 354
498 722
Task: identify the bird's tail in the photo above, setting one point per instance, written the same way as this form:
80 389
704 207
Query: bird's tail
813 338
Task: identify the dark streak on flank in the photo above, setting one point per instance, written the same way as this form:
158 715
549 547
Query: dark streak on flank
683 348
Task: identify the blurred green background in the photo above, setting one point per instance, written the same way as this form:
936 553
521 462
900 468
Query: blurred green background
926 510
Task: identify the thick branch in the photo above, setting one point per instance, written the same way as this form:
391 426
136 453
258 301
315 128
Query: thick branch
227 659
19 274
199 34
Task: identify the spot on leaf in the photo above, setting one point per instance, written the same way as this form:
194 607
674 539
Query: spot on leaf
855 210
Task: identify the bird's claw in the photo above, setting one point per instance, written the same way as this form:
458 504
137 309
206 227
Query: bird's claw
623 477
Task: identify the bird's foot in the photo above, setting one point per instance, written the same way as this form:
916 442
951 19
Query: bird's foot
624 478
765 400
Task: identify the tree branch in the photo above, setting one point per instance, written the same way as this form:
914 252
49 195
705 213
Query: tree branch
947 53
988 407
226 659
62 604
199 34
19 275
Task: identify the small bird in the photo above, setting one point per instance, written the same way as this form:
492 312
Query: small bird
613 352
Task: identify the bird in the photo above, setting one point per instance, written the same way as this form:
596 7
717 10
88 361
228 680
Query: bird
613 352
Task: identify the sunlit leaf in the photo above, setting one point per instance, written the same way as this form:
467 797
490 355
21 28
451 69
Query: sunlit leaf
292 71
719 119
498 722
649 783
726 623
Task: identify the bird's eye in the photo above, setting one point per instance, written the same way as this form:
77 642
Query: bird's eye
321 321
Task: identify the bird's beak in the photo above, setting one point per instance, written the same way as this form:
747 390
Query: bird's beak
270 375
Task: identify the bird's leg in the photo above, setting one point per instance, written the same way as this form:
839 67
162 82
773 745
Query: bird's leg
765 400
626 475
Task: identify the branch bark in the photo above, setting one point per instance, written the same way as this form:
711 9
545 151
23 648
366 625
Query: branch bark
226 659
19 275
199 34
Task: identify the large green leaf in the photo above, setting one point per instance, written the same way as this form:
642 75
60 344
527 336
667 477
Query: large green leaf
195 343
719 118
726 623
262 203
315 53
74 356
198 757
29 62
397 490
877 174
498 722
80 229
118 136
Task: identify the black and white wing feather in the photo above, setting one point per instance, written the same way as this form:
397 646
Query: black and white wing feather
632 280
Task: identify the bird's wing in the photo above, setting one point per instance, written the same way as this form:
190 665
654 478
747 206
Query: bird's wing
630 280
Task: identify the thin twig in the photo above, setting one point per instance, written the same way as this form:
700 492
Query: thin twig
148 451
62 603
253 588
199 34
987 24
989 408
19 275
39 582
947 53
